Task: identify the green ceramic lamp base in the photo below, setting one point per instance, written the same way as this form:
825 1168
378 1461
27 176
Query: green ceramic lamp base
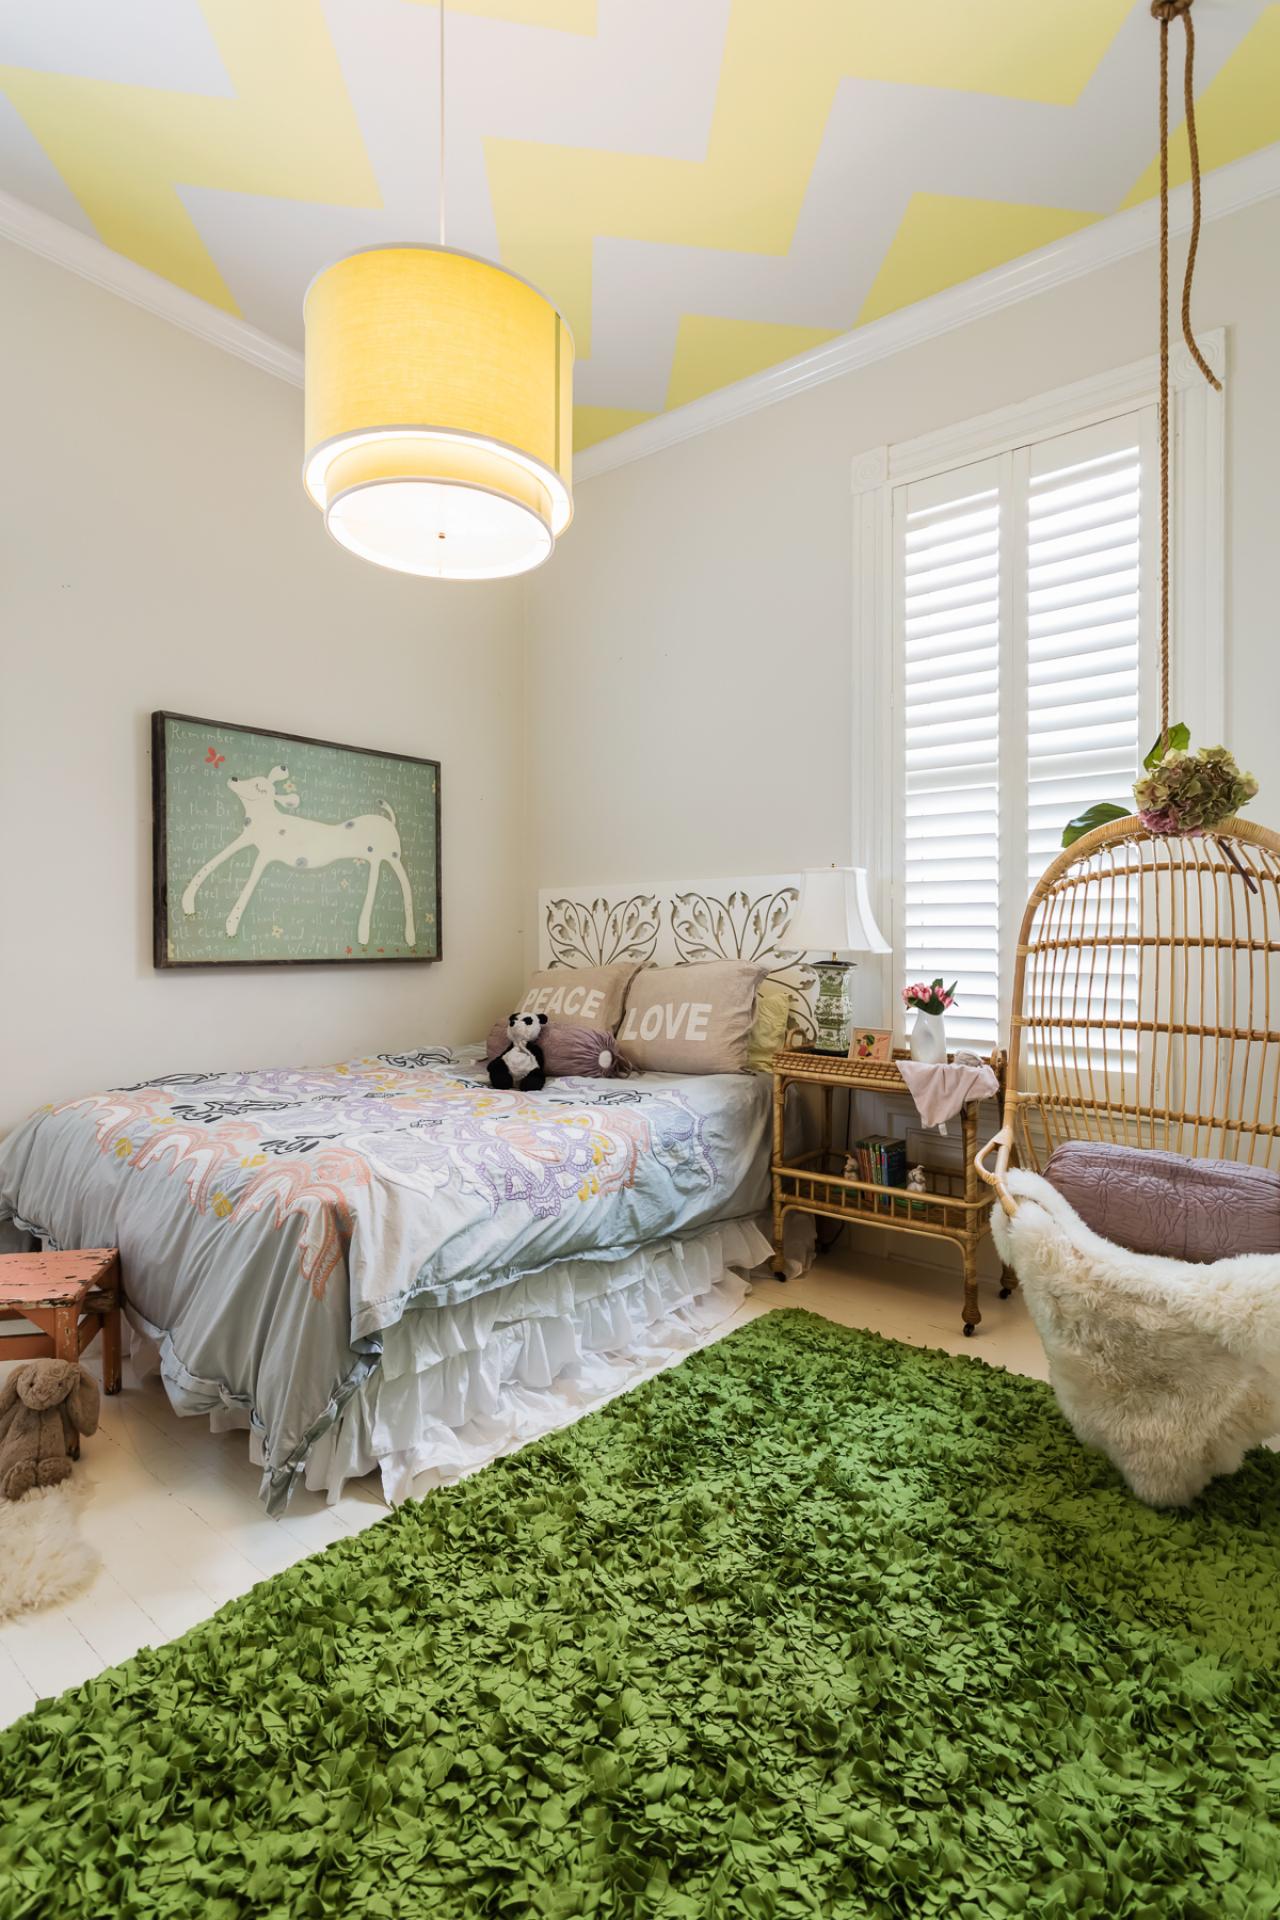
833 1010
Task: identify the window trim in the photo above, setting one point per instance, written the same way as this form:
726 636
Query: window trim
1198 586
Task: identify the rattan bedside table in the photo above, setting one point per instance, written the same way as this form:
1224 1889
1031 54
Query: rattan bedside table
816 1182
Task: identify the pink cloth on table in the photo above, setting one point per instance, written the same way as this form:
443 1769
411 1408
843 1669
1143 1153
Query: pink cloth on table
940 1091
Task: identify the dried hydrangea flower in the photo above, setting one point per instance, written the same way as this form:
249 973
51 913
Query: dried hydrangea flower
1189 792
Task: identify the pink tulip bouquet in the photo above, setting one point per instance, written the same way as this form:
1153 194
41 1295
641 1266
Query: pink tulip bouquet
932 997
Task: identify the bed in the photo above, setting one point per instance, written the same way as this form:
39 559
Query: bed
387 1263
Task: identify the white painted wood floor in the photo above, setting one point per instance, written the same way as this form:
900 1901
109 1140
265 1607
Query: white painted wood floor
174 1513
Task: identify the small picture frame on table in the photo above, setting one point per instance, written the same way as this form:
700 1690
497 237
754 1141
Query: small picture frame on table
871 1043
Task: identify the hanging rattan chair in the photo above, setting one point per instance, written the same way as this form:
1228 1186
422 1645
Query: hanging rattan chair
1144 1059
1144 1054
1146 1001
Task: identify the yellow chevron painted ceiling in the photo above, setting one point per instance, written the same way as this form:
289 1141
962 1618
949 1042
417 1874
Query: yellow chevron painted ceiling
706 187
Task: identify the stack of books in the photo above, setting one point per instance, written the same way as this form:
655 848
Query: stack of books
880 1158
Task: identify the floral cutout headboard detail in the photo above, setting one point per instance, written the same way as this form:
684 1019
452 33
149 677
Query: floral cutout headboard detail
679 924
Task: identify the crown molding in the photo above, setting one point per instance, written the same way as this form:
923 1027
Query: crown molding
1099 396
1226 190
80 253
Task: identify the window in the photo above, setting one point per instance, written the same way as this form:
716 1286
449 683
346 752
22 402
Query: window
1024 589
1005 658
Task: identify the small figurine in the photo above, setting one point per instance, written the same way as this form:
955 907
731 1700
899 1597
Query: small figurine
917 1181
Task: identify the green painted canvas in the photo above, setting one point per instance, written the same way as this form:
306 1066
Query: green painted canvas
273 848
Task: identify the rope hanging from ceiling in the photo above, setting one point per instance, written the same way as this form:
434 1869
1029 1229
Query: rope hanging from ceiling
1166 11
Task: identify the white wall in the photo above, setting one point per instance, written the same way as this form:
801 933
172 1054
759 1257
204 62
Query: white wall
686 653
689 647
156 550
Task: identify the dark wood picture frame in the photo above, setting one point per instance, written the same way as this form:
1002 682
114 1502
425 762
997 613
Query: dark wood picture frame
159 850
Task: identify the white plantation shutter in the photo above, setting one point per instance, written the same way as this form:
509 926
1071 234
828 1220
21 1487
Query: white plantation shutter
1084 608
1020 689
950 677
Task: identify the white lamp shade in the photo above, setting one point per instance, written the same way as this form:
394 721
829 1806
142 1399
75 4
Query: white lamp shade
834 914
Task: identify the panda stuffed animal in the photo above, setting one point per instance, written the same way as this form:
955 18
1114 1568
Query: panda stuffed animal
522 1065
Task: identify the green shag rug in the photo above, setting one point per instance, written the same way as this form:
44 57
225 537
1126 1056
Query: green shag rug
815 1624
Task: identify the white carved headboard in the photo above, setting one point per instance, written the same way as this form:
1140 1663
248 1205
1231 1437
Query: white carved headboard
676 923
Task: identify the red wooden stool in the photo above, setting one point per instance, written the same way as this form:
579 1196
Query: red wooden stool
70 1296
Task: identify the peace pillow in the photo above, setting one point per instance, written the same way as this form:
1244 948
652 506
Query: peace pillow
589 1052
587 996
690 1019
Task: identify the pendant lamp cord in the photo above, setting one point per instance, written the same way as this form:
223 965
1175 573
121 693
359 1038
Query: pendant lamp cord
1165 11
441 122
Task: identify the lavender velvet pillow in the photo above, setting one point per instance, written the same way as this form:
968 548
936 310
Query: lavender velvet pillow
1154 1202
587 1051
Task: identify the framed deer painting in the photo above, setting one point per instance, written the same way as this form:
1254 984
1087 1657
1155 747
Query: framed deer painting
275 850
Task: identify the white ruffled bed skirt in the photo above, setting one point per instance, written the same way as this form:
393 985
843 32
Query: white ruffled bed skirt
461 1386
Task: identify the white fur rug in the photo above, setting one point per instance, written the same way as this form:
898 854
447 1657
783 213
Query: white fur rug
43 1557
1171 1368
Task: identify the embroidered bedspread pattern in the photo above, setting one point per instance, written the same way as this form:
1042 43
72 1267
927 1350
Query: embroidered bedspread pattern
272 1224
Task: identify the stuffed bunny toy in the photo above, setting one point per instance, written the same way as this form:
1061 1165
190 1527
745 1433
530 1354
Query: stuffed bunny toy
45 1405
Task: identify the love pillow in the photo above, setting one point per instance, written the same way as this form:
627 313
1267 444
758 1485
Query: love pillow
690 1019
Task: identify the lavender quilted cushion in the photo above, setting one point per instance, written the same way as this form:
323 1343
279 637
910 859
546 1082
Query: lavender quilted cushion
1154 1202
587 1051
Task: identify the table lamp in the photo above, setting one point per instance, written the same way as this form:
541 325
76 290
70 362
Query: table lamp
834 916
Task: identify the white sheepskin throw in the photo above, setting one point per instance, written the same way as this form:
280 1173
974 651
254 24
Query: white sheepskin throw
1172 1369
43 1558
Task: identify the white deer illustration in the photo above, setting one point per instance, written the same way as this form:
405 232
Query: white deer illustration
301 843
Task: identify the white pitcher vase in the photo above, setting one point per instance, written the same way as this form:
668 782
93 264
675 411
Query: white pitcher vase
929 1038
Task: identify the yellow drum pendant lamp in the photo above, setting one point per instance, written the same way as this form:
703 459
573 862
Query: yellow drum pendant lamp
439 409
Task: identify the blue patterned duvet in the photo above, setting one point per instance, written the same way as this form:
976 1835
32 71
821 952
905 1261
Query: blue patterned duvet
274 1224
